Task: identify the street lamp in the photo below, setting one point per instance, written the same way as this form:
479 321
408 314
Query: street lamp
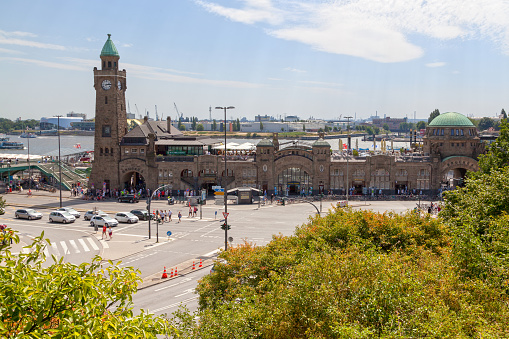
59 163
225 175
347 155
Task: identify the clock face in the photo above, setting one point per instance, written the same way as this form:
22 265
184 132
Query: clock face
106 85
119 85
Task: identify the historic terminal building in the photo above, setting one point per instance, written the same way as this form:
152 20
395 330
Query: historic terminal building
156 153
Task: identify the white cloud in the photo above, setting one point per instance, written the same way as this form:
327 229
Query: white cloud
375 30
254 11
10 51
321 83
435 64
9 38
48 64
127 45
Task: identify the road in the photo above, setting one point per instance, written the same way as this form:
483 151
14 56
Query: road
191 240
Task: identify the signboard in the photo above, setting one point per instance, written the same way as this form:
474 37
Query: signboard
225 215
215 187
176 153
168 233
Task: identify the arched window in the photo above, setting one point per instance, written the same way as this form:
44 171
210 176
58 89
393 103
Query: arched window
186 173
107 150
104 64
105 100
101 151
111 150
109 64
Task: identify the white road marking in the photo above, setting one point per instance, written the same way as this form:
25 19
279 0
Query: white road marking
211 253
64 246
174 305
55 249
92 243
73 244
104 243
84 245
191 290
180 282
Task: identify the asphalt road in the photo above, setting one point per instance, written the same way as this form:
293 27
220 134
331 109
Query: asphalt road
191 240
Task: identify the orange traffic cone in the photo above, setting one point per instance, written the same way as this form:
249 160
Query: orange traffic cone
171 274
201 263
176 272
164 274
194 266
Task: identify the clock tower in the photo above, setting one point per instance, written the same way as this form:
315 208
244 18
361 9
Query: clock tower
110 118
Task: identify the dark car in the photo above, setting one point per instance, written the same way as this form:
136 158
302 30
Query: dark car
142 214
128 198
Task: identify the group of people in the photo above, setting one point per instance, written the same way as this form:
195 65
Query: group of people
165 215
106 232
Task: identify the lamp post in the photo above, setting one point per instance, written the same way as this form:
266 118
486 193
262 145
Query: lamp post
28 159
59 163
347 155
225 175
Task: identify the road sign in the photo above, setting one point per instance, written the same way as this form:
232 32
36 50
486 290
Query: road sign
225 215
219 189
168 233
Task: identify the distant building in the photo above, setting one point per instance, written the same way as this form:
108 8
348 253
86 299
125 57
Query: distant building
52 122
88 125
77 115
393 123
264 118
292 118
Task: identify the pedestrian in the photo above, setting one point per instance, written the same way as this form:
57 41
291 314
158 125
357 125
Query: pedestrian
215 215
195 211
190 211
180 216
110 231
104 232
169 215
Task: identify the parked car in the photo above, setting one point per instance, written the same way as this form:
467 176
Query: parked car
89 214
129 198
28 214
126 217
103 220
61 216
71 211
142 214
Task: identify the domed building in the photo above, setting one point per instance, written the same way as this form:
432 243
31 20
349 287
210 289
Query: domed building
453 144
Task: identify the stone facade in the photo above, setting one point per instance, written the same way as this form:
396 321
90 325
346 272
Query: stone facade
156 154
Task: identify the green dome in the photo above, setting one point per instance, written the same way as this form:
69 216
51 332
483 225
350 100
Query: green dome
109 48
265 142
321 142
451 119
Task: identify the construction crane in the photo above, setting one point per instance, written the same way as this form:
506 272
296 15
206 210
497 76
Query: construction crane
137 111
179 114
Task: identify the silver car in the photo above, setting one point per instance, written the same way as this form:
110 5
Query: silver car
100 220
28 214
126 217
89 214
61 216
71 211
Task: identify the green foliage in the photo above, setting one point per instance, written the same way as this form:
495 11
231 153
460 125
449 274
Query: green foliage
199 127
420 125
214 125
261 126
64 300
503 114
7 125
386 127
433 115
304 127
355 153
485 123
498 152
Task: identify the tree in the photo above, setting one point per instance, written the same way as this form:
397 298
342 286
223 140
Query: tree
376 130
304 127
433 115
64 300
497 155
420 125
386 127
485 123
214 125
261 126
199 127
503 114
194 121
238 125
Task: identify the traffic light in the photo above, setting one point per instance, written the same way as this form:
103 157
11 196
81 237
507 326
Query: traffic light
225 226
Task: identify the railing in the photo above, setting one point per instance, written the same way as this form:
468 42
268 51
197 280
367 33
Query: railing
309 157
239 158
175 158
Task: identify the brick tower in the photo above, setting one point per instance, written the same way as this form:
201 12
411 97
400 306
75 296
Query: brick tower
110 118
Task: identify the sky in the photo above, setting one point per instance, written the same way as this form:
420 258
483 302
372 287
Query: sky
311 58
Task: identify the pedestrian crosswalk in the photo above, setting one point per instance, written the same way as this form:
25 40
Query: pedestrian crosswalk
71 246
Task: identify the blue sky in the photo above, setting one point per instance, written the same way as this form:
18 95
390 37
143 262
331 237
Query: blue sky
320 58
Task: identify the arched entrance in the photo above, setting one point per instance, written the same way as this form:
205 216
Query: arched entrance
207 179
454 170
133 180
293 181
454 178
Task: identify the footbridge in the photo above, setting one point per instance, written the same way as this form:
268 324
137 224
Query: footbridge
69 174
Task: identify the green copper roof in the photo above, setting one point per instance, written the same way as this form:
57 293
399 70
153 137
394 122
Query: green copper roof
451 119
265 142
321 142
109 48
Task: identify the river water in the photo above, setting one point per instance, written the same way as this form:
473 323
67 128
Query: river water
48 145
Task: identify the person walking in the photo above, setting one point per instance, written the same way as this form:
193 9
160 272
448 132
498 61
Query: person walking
169 215
104 232
180 216
110 231
190 211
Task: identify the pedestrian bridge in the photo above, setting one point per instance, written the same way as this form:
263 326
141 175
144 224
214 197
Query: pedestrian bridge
69 174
